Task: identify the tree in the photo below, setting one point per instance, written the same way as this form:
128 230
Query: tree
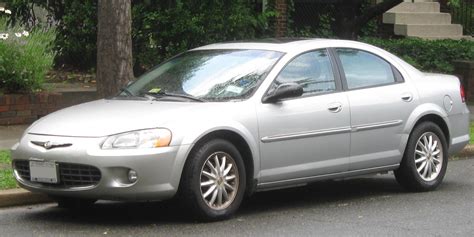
114 46
351 16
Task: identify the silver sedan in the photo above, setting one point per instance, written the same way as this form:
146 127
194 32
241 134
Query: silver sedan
222 121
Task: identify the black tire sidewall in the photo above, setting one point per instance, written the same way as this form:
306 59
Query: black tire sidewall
409 159
191 181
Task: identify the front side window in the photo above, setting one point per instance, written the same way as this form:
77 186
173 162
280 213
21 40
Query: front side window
311 70
208 75
363 69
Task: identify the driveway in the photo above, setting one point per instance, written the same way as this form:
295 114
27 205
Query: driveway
369 206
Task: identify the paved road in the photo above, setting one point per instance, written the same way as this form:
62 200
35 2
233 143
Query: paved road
370 206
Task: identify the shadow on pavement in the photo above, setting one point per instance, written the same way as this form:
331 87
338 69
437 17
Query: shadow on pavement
320 194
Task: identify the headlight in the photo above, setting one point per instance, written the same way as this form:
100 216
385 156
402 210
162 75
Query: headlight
149 138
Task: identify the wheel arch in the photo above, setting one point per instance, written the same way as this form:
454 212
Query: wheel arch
432 113
248 154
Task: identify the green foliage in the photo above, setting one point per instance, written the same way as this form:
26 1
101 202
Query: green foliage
7 180
160 28
77 34
428 55
5 157
161 32
24 59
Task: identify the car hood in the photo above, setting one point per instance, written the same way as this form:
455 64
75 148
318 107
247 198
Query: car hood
106 117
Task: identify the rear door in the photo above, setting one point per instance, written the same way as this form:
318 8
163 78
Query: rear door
380 102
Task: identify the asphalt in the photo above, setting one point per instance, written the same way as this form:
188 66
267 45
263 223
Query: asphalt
370 206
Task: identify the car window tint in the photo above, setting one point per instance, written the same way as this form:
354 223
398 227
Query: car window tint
311 70
363 69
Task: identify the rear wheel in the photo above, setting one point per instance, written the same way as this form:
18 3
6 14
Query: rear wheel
426 158
213 181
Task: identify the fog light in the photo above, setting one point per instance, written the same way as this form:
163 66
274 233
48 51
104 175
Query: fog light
132 176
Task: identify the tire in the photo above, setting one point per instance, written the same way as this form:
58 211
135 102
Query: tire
414 172
73 203
196 191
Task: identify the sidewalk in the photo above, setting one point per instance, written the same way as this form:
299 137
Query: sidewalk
9 135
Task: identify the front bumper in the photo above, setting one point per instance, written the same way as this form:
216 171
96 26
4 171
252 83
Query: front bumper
158 169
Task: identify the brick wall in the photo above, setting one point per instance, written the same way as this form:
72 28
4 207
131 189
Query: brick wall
281 24
25 109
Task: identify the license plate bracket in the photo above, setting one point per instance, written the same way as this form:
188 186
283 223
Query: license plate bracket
44 172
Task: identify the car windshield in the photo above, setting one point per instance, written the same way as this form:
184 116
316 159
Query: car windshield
207 75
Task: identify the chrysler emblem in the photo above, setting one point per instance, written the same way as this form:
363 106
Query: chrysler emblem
50 145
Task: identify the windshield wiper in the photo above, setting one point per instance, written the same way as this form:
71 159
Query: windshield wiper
127 91
162 94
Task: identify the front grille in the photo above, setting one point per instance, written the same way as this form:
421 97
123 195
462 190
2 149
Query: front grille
70 175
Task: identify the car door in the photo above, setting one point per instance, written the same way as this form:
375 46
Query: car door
380 102
308 135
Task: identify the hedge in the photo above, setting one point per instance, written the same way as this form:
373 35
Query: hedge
427 55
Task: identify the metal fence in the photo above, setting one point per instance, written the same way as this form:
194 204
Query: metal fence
463 13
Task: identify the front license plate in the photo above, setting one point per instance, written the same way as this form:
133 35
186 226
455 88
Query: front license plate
43 172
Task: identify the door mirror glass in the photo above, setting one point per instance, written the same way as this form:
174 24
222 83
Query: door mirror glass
283 91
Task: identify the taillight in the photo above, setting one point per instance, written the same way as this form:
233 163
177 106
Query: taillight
463 94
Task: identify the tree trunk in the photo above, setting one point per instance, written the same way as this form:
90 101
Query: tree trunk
114 46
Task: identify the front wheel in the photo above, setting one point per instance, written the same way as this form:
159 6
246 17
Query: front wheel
426 158
213 181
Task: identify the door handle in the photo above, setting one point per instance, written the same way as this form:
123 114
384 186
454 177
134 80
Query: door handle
407 97
335 107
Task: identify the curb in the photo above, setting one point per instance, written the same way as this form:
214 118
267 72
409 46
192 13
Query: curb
467 151
19 197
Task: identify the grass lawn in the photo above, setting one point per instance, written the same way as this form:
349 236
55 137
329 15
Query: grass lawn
6 173
471 133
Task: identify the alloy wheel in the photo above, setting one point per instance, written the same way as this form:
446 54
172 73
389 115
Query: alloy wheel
219 180
428 156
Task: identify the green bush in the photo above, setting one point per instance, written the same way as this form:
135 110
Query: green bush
160 29
25 58
427 55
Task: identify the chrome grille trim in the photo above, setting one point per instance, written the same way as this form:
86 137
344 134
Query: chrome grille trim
70 175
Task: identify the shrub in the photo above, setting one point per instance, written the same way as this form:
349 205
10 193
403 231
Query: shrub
161 31
427 55
25 58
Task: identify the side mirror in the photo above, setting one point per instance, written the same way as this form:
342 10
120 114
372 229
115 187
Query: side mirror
283 91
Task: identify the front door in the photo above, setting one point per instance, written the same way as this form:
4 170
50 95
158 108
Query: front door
308 135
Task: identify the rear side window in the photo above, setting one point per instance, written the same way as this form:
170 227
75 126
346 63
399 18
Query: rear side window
311 70
363 69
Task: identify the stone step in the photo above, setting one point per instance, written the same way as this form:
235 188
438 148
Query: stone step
416 18
429 31
418 0
416 7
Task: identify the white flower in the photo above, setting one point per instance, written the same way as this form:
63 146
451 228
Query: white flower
2 9
18 35
25 33
4 36
8 12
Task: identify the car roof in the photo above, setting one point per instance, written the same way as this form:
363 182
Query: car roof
279 44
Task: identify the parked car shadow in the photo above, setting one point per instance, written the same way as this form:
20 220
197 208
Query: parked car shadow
316 195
